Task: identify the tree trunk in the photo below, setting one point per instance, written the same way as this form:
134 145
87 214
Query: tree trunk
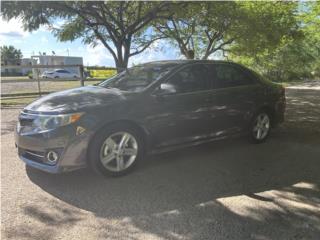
191 54
188 53
121 65
205 57
122 59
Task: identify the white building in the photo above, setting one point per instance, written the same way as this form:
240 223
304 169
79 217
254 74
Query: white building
46 60
18 71
29 62
58 60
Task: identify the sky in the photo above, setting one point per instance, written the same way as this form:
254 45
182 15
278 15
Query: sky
42 40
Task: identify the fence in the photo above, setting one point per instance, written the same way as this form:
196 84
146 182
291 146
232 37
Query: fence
36 72
14 87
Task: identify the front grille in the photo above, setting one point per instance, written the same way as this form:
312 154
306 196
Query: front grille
33 155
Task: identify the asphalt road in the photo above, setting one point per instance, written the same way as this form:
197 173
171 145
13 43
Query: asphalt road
223 190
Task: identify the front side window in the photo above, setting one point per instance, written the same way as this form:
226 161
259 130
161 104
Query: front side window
190 79
230 76
137 78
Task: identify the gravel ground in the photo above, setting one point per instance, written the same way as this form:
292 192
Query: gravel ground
223 190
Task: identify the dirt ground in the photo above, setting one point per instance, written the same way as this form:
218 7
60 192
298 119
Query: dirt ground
223 190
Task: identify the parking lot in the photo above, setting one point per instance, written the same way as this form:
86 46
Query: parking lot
227 189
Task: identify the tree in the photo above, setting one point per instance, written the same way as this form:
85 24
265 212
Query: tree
293 58
10 55
122 27
264 26
199 29
208 27
311 24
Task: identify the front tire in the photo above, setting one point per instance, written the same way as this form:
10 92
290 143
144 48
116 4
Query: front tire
116 150
260 127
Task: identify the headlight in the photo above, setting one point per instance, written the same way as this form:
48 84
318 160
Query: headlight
47 122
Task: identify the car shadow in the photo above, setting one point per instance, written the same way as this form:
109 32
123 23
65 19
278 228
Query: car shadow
185 177
180 192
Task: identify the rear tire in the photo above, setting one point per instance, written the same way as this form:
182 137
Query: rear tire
260 127
109 152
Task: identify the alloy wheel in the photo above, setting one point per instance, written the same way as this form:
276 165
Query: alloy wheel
119 151
261 127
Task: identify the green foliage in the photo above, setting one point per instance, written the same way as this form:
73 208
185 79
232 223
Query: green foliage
200 27
10 55
208 27
311 19
295 57
264 25
30 74
289 62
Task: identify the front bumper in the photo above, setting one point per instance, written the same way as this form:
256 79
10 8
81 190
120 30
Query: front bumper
71 148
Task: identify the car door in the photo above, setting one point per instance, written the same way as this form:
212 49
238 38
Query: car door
181 115
58 73
68 74
65 74
234 98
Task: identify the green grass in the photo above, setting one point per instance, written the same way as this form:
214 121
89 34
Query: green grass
17 101
15 78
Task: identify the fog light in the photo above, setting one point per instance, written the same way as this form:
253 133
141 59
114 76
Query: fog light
52 157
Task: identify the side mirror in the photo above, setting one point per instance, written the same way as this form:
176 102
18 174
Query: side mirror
166 89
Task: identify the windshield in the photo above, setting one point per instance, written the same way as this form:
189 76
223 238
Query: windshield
137 78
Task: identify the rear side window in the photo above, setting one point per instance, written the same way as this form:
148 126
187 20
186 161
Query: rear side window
191 79
227 75
62 71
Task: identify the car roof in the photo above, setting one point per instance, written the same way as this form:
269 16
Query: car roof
183 62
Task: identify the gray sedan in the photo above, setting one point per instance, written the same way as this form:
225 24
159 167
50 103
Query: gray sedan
152 107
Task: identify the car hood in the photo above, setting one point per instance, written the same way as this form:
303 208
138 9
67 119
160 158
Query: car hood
76 99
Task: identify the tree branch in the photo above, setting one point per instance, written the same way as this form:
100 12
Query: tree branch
220 47
145 47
